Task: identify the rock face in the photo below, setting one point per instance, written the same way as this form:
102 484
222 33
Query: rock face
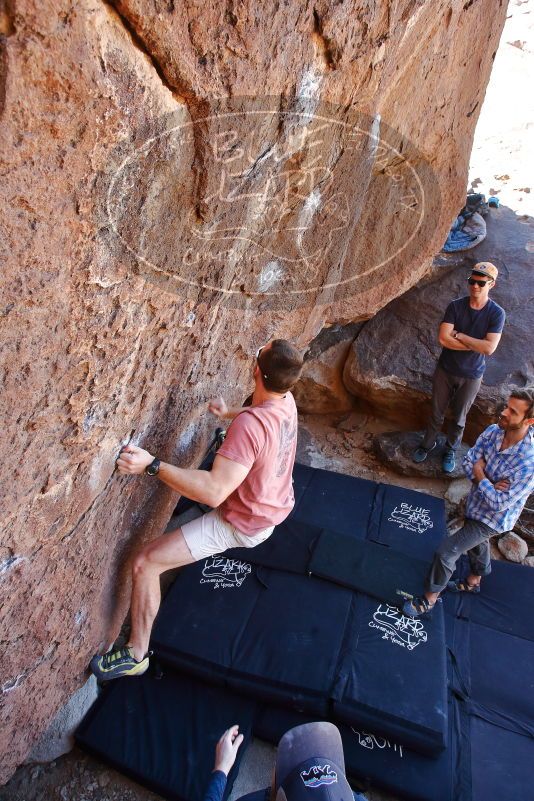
525 524
392 361
321 389
162 222
512 547
58 739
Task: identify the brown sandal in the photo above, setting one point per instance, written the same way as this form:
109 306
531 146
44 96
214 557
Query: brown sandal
462 585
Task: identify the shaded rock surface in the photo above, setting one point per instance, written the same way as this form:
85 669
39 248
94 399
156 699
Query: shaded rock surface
58 739
512 547
525 524
321 389
126 303
395 449
392 361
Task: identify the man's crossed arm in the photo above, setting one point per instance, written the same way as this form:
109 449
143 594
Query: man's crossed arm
211 488
453 340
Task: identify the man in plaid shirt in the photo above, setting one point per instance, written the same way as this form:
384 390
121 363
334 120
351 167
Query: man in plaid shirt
501 467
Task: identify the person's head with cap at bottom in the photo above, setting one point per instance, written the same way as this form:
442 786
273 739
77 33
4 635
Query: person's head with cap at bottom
310 766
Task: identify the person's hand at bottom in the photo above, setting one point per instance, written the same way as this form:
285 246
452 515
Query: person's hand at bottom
227 748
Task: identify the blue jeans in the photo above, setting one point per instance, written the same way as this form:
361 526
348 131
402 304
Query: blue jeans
473 537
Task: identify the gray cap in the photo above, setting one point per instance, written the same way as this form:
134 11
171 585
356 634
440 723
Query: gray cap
310 765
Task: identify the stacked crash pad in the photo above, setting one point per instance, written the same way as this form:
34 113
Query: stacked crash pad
283 646
257 622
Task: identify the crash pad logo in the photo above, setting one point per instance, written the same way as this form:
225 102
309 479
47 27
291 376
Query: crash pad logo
371 741
412 518
318 776
223 572
398 628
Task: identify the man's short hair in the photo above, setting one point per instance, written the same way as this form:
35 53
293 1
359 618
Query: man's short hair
280 365
526 395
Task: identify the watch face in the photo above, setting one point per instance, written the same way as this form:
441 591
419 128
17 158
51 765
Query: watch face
153 468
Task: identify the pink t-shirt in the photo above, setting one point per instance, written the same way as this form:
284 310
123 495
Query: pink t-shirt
263 438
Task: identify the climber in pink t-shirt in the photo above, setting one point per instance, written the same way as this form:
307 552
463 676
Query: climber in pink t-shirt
249 487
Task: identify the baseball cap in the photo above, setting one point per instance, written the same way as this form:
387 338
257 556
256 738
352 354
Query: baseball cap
486 268
310 765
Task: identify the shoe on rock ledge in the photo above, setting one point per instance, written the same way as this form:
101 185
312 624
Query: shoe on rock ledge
117 663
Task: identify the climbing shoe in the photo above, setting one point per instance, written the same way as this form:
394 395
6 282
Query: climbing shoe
116 663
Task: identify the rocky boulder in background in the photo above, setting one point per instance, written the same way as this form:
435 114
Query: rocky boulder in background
512 547
391 362
395 449
162 221
320 390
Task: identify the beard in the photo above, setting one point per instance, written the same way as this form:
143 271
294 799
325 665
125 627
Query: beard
503 423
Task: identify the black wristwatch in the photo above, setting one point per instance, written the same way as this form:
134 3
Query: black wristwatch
153 468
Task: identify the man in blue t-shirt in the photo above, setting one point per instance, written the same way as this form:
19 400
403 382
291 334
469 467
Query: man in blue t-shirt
470 331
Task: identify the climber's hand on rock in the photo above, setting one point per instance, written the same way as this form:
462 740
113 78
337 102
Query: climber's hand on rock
133 460
218 407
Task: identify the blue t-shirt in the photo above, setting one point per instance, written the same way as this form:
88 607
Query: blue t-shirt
475 323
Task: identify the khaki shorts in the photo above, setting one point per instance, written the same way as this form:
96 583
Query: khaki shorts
210 534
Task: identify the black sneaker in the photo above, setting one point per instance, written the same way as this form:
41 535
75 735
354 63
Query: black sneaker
419 455
117 663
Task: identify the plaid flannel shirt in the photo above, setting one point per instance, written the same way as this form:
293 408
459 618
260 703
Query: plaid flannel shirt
499 509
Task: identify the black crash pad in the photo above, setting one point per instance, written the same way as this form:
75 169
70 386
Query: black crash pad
373 569
409 521
494 671
304 642
336 501
393 676
289 547
204 614
505 602
288 652
501 763
375 761
270 633
162 732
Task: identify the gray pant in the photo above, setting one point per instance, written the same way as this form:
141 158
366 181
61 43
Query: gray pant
473 537
458 394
